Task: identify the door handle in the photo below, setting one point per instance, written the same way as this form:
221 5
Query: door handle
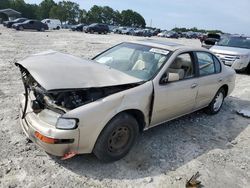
194 85
220 79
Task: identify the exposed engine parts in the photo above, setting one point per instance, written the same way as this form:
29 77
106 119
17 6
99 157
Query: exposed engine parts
65 99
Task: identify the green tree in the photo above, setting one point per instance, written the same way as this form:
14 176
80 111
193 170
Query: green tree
104 14
4 4
131 18
95 15
44 8
58 12
66 11
82 16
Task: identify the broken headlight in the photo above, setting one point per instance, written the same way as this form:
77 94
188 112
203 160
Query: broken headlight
66 123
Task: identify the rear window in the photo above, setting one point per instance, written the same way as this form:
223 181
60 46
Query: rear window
206 63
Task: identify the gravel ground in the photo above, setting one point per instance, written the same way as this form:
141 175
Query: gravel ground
165 156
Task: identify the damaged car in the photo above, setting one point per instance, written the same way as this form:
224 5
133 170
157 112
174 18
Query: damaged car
74 106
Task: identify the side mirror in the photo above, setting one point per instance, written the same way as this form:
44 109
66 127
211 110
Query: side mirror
173 77
169 77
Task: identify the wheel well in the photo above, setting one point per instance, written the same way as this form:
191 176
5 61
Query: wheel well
225 87
138 115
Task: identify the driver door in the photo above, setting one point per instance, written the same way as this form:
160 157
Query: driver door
30 25
176 98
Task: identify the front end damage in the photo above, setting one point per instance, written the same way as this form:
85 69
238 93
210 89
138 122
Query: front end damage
42 113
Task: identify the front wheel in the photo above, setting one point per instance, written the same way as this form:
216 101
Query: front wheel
20 28
217 102
117 138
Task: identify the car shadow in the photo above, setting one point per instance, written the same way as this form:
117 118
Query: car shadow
168 146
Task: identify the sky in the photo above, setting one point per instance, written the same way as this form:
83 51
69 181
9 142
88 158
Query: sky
232 16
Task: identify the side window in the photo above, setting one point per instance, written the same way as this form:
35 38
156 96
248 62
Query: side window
206 63
183 66
217 65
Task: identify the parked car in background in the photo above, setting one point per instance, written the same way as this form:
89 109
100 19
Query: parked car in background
171 34
97 28
210 40
128 31
53 23
147 33
155 32
67 26
119 30
9 24
31 25
78 27
234 51
162 34
130 87
190 35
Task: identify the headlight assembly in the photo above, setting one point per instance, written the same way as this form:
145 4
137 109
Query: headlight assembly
66 123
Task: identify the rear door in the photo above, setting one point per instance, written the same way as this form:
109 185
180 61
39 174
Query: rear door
210 78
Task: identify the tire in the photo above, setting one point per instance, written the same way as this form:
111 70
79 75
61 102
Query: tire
248 68
20 28
217 102
57 28
42 29
117 138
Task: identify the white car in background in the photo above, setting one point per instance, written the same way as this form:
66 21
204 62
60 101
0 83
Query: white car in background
53 23
234 51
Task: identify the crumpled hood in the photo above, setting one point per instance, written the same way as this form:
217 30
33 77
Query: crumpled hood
229 50
54 70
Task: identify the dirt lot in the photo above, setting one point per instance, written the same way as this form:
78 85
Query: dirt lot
216 146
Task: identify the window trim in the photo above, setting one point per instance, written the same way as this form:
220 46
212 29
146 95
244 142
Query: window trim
193 59
214 57
197 63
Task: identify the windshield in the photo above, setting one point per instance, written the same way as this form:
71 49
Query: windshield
238 42
136 60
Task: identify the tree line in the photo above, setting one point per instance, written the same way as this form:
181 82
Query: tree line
68 11
194 29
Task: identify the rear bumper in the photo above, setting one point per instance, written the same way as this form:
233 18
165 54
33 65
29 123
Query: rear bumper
31 123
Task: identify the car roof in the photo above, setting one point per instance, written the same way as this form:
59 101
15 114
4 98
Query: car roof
171 46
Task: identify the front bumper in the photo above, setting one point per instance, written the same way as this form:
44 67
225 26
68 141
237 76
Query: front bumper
32 123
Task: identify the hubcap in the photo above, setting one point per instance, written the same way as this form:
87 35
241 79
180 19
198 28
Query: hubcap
118 139
218 101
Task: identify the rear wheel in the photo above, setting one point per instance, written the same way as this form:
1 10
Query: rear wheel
21 28
217 102
117 138
42 29
57 27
